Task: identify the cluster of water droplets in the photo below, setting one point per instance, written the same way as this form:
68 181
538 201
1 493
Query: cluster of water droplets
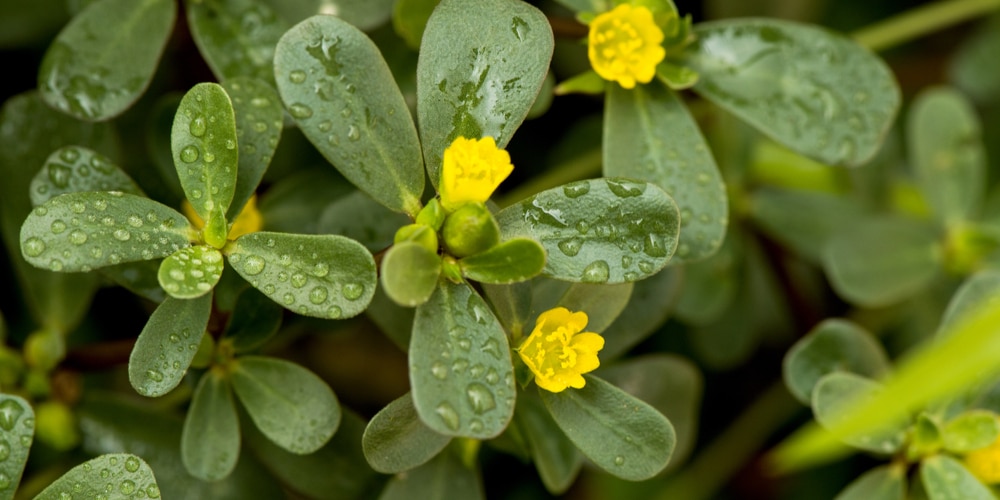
121 477
74 169
175 355
13 428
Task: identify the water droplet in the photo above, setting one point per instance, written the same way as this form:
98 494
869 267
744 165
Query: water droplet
152 491
301 111
353 133
626 189
41 211
230 144
260 126
520 28
653 246
646 266
122 235
297 76
4 450
127 487
460 365
619 460
334 313
320 270
33 247
576 189
596 272
318 295
439 370
476 425
4 481
298 280
69 154
198 126
492 347
352 291
77 207
253 265
55 265
570 247
154 375
492 376
59 174
346 112
209 157
189 154
131 464
480 398
448 415
325 126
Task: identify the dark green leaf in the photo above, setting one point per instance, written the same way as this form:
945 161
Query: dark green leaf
514 260
815 91
255 319
236 37
22 24
360 218
190 272
602 303
970 431
971 66
17 430
324 276
555 456
460 368
159 123
410 273
945 478
482 63
116 477
887 482
836 392
598 231
104 59
647 309
804 221
444 478
258 128
73 169
711 285
394 320
138 277
291 204
512 303
639 126
167 344
210 440
621 434
291 405
339 90
396 440
98 229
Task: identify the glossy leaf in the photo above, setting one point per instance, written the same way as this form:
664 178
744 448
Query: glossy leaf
512 261
461 376
443 478
17 431
167 344
887 482
599 230
341 93
100 229
410 273
72 169
833 345
115 476
324 276
396 440
555 456
360 218
236 37
291 405
648 307
254 321
259 116
649 135
815 91
882 260
104 59
838 391
190 272
970 431
945 478
619 433
945 148
482 63
210 440
804 221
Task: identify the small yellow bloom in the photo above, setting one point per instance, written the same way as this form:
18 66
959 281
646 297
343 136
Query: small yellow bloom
472 170
624 45
558 351
248 221
984 463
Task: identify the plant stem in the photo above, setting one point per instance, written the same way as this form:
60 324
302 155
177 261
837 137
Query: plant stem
581 167
724 457
920 21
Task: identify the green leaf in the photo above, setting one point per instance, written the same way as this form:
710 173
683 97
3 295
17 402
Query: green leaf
943 135
945 478
138 277
98 229
461 376
587 5
24 24
711 285
638 124
159 123
971 69
72 169
619 433
104 59
394 320
236 37
887 482
647 309
444 478
117 476
971 431
882 260
255 319
203 142
838 391
167 344
588 82
17 430
291 405
290 205
514 260
360 218
973 294
259 116
924 437
676 76
482 63
341 93
410 273
815 91
396 440
210 441
323 276
409 19
599 230
804 221
555 456
602 303
512 304
833 345
190 272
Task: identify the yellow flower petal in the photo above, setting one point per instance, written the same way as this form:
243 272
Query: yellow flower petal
985 463
471 170
558 352
624 45
248 221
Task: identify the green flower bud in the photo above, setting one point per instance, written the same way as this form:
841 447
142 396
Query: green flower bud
419 233
55 425
451 270
432 215
44 349
469 230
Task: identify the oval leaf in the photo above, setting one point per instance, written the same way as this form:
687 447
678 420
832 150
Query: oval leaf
340 91
460 369
17 431
599 230
117 476
190 272
621 434
804 220
100 229
289 404
104 59
649 135
72 169
167 344
512 261
971 431
838 392
444 478
556 457
482 63
410 273
236 37
881 483
815 91
324 276
255 319
945 478
397 440
259 116
210 441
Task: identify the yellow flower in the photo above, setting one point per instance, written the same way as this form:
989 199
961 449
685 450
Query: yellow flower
472 170
624 45
248 221
558 351
984 463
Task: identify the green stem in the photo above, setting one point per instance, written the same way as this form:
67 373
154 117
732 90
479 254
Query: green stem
724 457
581 167
921 21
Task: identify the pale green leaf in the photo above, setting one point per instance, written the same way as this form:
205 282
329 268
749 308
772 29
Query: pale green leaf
167 344
190 272
73 169
236 37
396 440
945 478
513 261
836 393
588 82
970 431
887 482
210 440
555 456
104 59
410 273
259 118
17 431
118 476
444 478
